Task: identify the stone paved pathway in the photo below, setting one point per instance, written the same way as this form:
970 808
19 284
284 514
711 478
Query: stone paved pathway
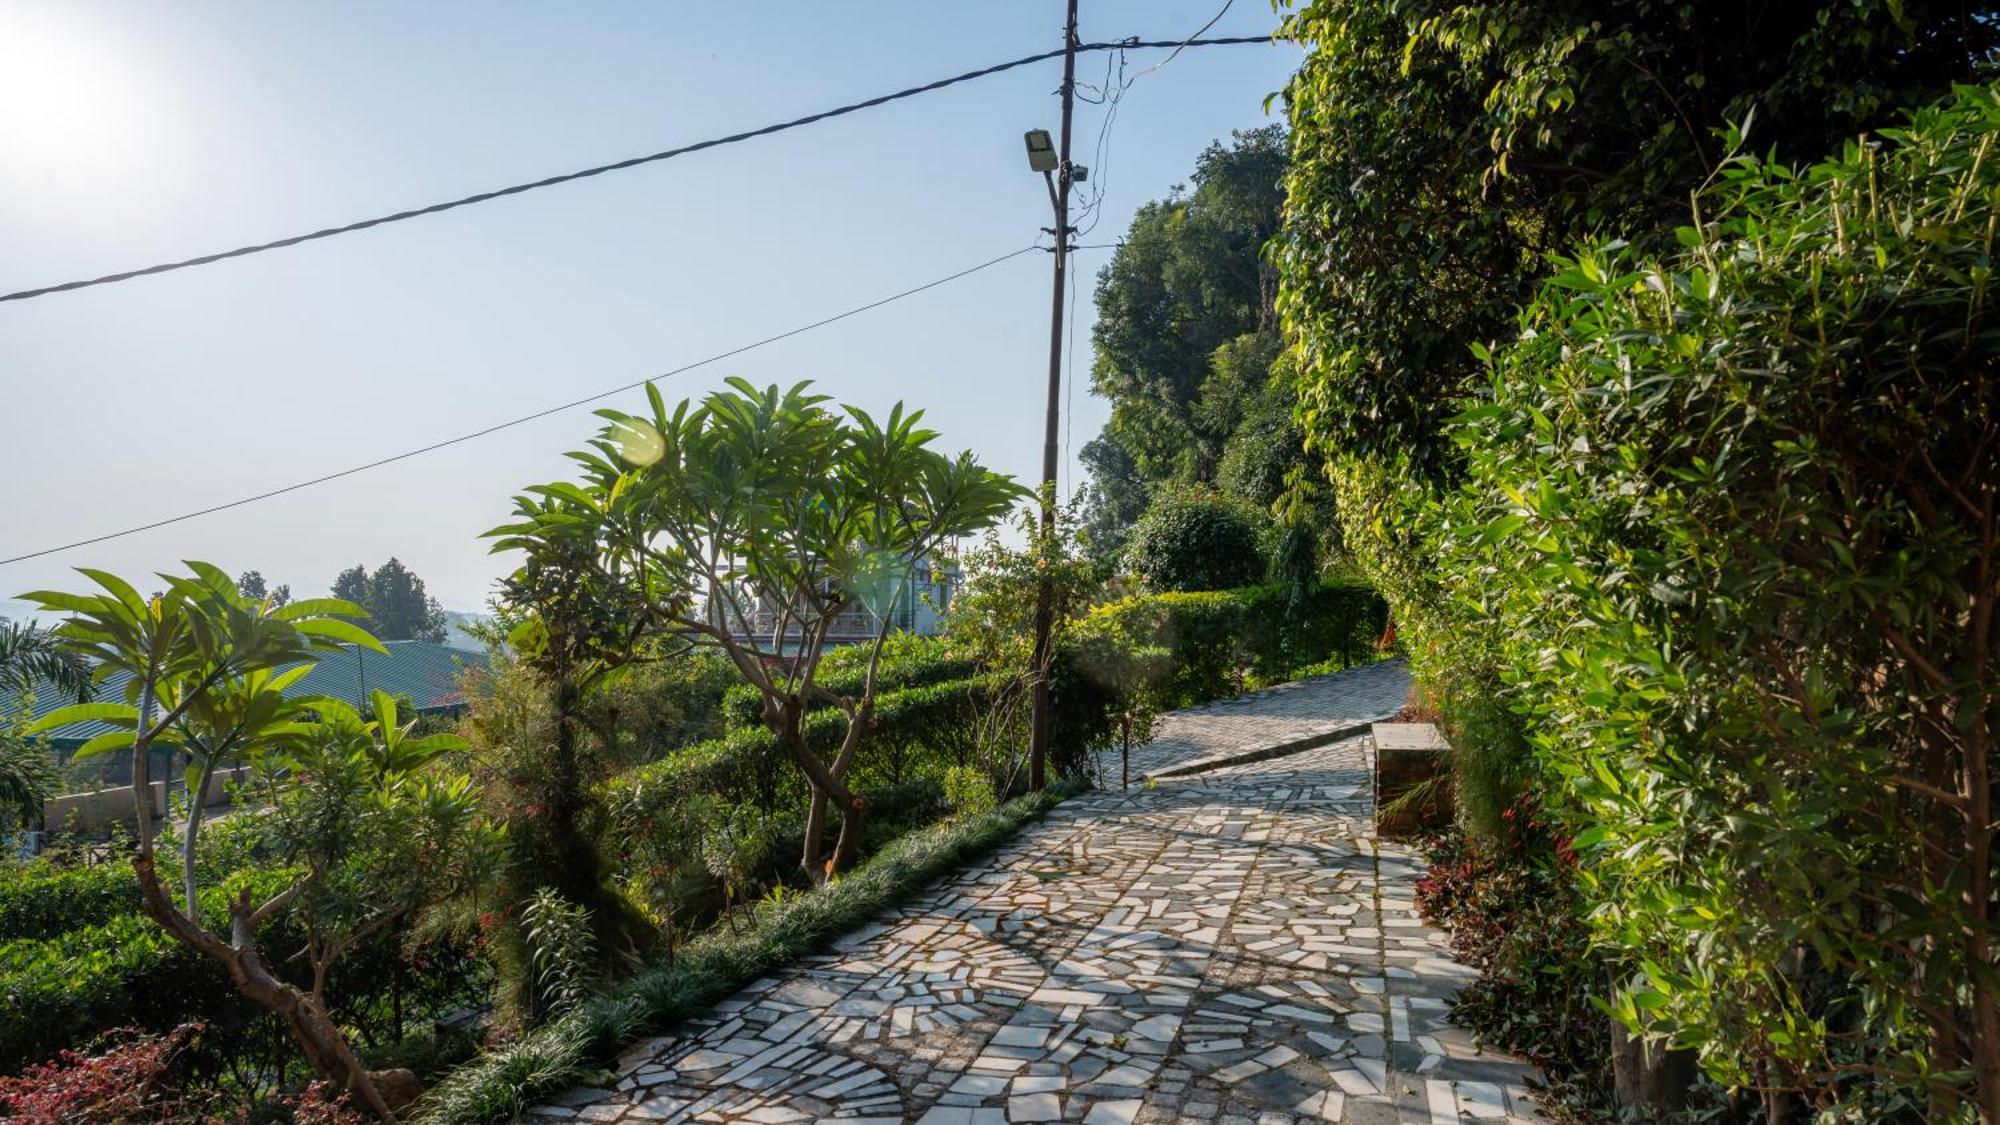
1232 946
1288 713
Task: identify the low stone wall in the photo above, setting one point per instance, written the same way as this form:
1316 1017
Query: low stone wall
99 809
1412 778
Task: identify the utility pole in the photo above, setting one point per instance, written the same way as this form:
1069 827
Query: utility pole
1059 185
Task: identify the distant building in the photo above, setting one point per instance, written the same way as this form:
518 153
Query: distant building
916 606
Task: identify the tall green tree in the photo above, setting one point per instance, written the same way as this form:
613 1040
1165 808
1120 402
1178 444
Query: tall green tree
399 609
1115 496
1189 279
251 584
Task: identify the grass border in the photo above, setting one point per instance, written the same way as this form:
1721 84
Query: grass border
503 1083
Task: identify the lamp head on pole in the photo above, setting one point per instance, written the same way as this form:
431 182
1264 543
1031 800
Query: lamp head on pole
1041 151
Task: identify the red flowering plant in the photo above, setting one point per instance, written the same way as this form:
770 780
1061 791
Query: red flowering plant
130 1078
321 1104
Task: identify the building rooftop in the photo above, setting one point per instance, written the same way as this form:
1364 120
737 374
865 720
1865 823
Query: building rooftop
429 675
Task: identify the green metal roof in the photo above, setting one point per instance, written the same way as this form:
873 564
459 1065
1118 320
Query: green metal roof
428 675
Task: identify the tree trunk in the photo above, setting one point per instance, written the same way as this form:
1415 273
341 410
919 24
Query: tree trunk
813 859
319 1038
1647 1075
194 819
849 843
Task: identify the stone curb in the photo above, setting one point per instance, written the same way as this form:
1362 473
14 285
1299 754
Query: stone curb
1276 750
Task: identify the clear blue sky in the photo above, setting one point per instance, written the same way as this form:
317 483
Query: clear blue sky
132 132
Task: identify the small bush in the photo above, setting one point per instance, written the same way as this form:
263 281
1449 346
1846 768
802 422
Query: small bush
968 790
1195 541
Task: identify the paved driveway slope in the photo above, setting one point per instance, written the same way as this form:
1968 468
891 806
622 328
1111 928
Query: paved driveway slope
1230 946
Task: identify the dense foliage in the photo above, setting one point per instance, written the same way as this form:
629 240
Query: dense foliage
1733 511
1441 151
1701 554
1188 352
1195 540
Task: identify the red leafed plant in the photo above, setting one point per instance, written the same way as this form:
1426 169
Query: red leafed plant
126 1081
322 1105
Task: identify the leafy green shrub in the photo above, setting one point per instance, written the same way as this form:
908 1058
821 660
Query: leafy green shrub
968 790
1730 514
1192 540
124 971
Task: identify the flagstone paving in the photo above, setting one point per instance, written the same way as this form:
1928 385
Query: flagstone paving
1232 946
1285 715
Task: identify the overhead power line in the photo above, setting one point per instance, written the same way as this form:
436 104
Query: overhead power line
525 418
616 166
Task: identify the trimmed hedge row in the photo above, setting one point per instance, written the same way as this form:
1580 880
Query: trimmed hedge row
1179 649
1216 640
501 1084
914 662
60 990
42 898
750 767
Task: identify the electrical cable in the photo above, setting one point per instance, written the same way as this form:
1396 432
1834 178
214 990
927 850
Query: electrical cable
493 429
1189 41
616 166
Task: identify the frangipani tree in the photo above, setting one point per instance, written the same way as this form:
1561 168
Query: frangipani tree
753 520
203 666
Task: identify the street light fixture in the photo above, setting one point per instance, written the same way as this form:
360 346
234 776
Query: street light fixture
1041 151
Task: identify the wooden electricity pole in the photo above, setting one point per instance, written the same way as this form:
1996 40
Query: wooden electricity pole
1059 185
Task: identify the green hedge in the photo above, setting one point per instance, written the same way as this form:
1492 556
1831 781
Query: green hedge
1180 649
907 661
60 990
748 765
1727 519
44 897
501 1084
40 900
